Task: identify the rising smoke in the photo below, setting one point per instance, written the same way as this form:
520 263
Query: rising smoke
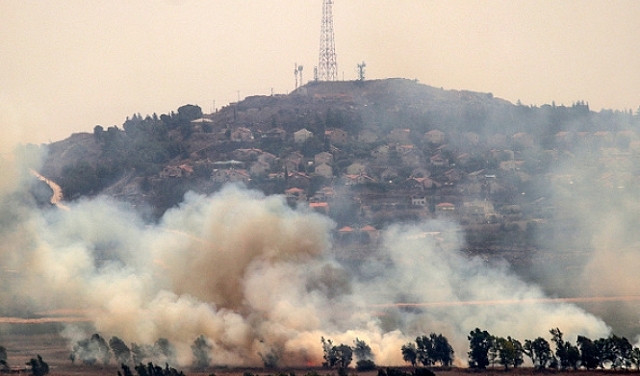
255 277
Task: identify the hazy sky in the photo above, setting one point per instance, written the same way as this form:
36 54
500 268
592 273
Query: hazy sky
66 66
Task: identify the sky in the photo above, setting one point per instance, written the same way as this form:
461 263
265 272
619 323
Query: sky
66 66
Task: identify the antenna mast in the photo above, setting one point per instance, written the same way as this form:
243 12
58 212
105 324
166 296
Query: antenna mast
327 65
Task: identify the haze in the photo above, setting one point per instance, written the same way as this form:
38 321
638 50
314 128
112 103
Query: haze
67 66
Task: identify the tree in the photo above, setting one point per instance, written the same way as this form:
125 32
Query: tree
345 356
619 351
189 112
589 355
561 348
634 358
364 355
120 350
336 356
410 353
442 352
201 350
164 351
539 351
38 366
3 360
509 352
479 344
91 350
568 355
329 353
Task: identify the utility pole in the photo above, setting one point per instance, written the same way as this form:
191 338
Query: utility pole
327 65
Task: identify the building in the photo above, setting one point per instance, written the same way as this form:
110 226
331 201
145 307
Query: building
302 135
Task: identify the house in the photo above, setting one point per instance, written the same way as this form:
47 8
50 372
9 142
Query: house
497 141
399 135
419 200
267 158
367 136
320 207
356 168
275 134
419 184
250 154
324 157
337 136
175 172
471 138
345 233
298 179
242 134
435 137
259 168
295 195
381 153
603 138
564 139
412 158
230 176
302 135
323 194
478 208
293 161
357 179
370 232
438 160
624 138
324 170
403 148
388 174
445 207
522 140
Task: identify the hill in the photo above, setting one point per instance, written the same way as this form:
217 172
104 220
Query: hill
369 154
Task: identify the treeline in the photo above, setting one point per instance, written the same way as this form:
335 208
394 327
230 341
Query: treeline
96 350
434 350
144 145
611 352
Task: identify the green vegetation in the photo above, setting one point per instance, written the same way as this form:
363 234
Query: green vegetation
38 366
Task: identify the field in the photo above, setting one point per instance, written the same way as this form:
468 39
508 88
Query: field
24 342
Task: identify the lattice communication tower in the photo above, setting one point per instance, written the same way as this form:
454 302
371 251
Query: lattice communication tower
327 65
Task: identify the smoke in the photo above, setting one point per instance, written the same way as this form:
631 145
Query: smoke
258 279
593 249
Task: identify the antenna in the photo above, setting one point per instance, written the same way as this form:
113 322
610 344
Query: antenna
327 65
300 67
295 73
361 71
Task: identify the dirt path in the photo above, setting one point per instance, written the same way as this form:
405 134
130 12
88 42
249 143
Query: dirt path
57 197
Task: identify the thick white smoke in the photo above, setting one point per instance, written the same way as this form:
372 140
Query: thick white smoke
254 276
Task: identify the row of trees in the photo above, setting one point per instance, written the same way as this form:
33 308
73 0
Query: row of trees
429 351
341 356
96 349
611 352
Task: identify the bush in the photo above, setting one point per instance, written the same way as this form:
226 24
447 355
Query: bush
365 365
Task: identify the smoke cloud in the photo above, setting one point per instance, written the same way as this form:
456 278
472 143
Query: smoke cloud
255 277
594 246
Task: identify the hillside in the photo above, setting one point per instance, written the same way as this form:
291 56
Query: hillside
373 153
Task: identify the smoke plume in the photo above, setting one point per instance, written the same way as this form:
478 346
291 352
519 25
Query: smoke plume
256 278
